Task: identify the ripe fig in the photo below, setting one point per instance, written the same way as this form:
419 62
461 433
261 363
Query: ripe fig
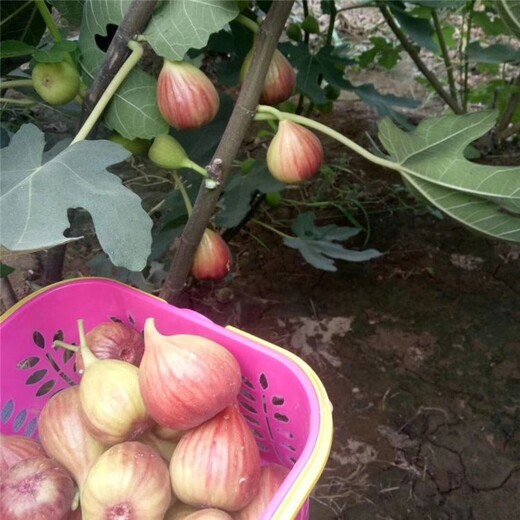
185 95
295 153
196 376
212 260
217 464
56 83
280 80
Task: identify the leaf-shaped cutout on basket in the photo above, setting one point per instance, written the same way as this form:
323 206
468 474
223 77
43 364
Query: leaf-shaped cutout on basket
7 411
263 381
281 417
28 362
45 388
19 420
30 429
247 382
277 401
246 394
38 339
35 377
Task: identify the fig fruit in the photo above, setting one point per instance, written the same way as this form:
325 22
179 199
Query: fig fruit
295 153
280 80
217 464
186 379
56 83
14 448
212 260
137 146
186 97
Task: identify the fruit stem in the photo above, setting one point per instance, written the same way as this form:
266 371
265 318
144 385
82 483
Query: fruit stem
264 110
86 354
63 344
51 25
270 228
122 73
188 163
21 102
179 183
15 83
248 23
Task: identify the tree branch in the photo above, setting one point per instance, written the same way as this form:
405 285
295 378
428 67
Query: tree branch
239 122
410 49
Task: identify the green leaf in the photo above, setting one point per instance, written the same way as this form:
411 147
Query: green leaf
179 26
239 191
14 48
419 29
509 11
56 53
431 159
20 20
35 198
5 270
71 10
496 53
133 111
492 27
319 247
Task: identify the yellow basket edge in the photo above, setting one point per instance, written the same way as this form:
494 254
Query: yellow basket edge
309 476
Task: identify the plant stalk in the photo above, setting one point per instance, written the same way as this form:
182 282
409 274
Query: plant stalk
16 83
122 73
410 49
467 40
20 102
220 166
445 53
511 107
179 183
51 26
248 23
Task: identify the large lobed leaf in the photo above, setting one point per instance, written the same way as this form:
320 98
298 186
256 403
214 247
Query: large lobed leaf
431 160
35 198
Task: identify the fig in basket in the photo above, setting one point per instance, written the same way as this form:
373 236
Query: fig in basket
130 480
38 488
111 402
186 379
14 448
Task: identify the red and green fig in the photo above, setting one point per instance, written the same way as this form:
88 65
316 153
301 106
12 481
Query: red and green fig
280 80
186 97
295 153
56 83
212 260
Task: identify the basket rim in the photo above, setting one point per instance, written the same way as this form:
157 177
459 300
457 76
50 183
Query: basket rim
316 461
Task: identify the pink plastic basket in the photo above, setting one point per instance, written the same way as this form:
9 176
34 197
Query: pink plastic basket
282 398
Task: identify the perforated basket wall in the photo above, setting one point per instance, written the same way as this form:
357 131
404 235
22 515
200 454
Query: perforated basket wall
281 397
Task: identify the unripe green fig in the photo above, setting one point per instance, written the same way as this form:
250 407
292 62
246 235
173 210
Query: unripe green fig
294 32
56 83
311 25
166 152
273 198
137 146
